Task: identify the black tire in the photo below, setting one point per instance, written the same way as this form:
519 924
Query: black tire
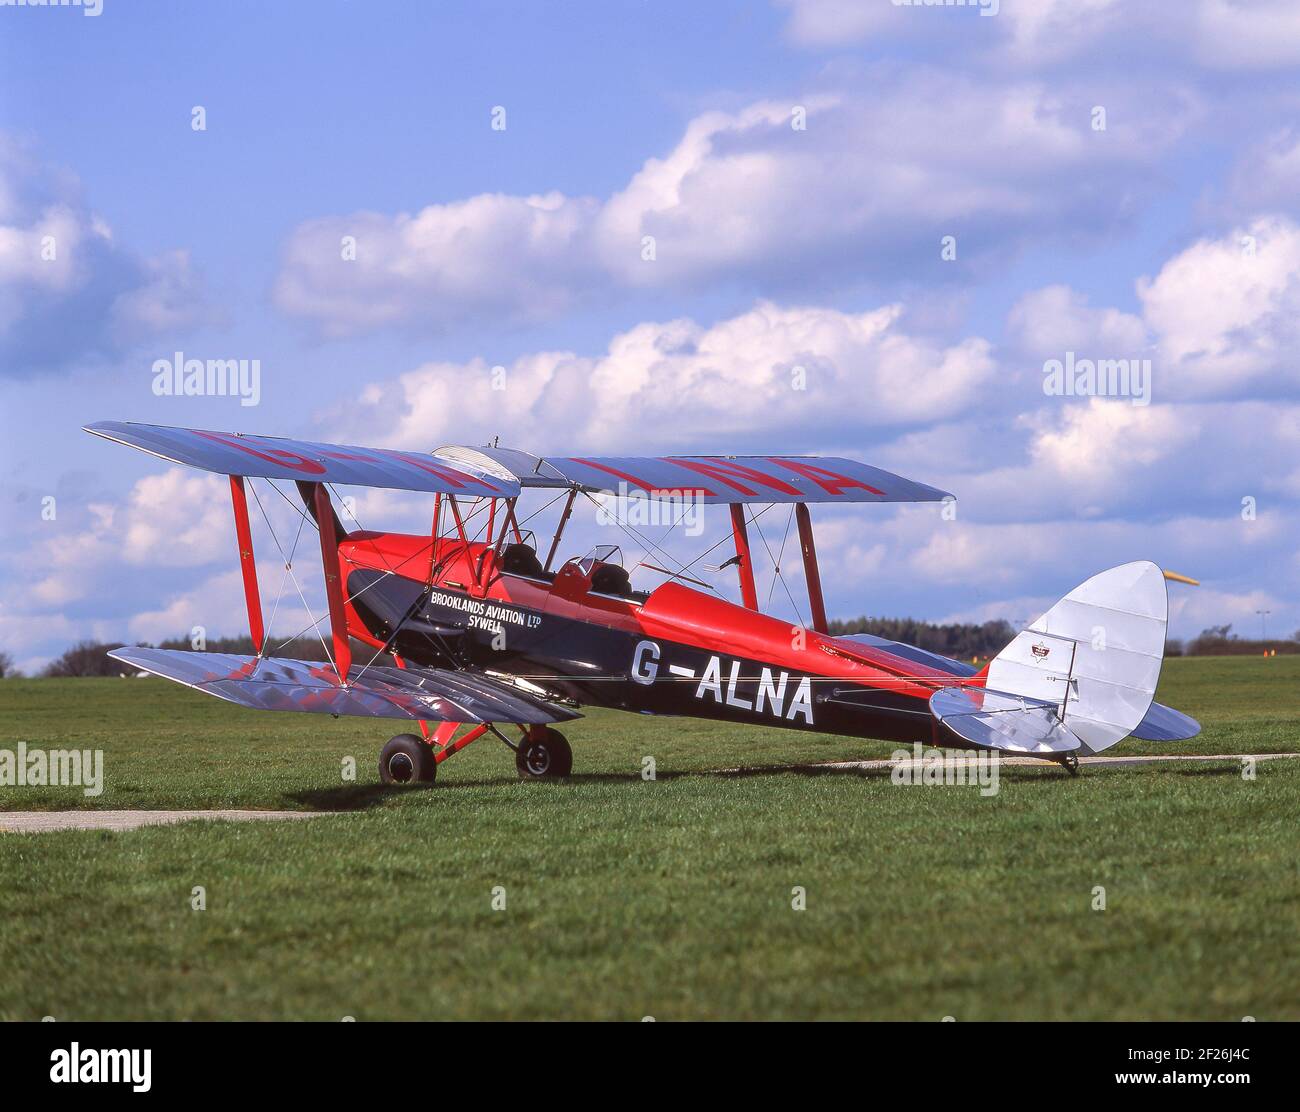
544 755
407 759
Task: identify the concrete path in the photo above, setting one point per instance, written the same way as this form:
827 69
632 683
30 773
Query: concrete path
39 822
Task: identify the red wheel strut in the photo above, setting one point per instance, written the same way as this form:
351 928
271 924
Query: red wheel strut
442 738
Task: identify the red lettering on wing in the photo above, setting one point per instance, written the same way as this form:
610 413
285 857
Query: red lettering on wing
447 474
728 471
350 456
832 482
634 481
281 456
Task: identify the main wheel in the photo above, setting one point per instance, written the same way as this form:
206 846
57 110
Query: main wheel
407 759
544 753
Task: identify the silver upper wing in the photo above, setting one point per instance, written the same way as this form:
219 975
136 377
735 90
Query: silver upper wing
274 457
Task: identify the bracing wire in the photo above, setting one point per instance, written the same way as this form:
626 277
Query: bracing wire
288 565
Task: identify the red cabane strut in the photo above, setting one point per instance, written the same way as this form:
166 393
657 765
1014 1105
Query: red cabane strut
747 589
810 573
812 576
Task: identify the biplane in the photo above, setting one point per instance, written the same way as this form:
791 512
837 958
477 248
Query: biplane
472 629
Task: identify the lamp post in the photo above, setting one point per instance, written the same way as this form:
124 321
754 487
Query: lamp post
1263 623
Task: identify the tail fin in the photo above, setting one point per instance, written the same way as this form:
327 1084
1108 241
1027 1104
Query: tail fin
1096 654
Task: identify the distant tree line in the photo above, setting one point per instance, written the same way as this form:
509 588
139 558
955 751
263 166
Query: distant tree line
1221 641
90 658
962 641
967 641
300 648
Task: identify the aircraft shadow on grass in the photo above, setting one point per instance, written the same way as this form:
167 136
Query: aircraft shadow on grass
364 797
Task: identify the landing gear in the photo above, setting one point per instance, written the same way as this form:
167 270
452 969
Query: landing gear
1071 763
543 754
407 759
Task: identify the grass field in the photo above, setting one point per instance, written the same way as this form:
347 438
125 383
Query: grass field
671 898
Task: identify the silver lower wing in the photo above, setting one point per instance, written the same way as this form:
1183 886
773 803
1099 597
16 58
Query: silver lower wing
312 687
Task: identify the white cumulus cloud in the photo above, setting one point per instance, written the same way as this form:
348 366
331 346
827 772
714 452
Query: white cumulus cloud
66 287
881 173
771 375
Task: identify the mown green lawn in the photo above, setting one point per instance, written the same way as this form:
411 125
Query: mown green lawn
671 898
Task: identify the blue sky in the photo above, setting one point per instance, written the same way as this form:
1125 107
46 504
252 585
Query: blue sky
776 247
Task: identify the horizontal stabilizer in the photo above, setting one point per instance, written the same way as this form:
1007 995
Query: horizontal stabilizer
312 687
1163 723
996 720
